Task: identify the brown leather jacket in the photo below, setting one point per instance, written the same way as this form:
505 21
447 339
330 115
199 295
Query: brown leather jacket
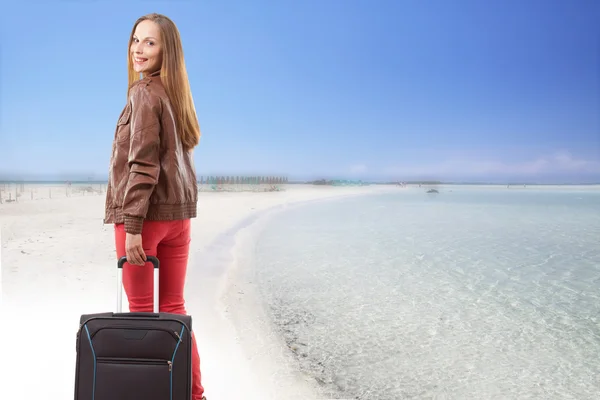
151 176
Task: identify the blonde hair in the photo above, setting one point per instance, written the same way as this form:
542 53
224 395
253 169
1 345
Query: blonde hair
174 78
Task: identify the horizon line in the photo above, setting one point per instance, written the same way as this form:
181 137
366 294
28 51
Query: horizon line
350 181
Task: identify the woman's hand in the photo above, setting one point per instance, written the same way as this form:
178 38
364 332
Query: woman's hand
134 249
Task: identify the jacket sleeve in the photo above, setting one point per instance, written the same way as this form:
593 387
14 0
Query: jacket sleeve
144 157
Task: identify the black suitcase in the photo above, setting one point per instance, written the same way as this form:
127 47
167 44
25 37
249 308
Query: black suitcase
130 356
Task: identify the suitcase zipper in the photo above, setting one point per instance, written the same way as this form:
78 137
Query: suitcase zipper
122 360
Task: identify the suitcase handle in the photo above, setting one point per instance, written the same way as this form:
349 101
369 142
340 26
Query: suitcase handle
120 265
151 259
137 315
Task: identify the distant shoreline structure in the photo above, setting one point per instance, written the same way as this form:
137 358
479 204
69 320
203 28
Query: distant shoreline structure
15 191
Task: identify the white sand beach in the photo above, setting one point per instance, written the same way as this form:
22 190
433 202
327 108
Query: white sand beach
58 262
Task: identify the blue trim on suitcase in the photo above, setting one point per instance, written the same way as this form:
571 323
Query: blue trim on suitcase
173 359
94 354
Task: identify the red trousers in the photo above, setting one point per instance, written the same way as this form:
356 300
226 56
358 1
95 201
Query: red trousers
169 241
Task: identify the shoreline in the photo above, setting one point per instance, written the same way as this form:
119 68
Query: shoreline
265 365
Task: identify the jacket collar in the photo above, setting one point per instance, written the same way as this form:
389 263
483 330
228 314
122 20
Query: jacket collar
157 73
147 79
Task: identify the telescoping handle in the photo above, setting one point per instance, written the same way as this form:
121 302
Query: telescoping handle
120 264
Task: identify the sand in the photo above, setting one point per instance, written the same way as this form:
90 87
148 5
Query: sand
58 262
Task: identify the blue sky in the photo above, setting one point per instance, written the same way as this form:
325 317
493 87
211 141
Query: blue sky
454 90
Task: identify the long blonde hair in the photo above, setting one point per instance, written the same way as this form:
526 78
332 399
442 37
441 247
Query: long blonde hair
174 78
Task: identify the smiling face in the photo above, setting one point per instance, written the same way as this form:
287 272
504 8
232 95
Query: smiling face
146 48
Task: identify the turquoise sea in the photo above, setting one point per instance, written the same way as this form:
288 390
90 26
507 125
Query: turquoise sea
472 293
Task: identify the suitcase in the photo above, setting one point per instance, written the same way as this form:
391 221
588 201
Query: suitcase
131 356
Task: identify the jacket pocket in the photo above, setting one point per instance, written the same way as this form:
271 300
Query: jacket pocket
123 124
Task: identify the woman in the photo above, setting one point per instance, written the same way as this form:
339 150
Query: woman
152 190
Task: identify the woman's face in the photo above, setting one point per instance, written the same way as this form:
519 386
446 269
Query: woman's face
146 48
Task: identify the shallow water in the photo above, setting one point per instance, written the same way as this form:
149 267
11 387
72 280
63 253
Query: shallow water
468 294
